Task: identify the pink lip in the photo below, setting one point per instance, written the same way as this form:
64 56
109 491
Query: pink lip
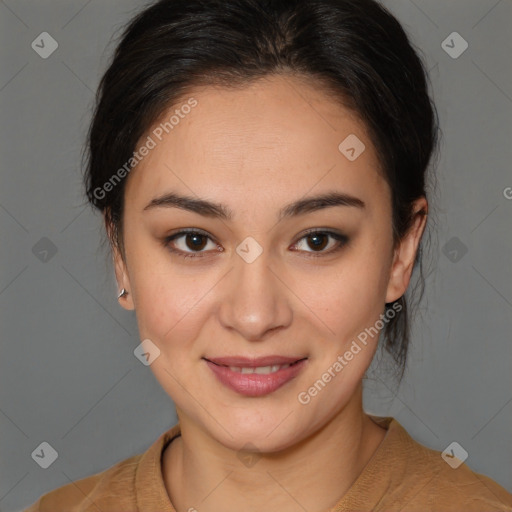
254 384
253 362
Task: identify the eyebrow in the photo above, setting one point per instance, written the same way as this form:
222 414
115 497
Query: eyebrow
217 210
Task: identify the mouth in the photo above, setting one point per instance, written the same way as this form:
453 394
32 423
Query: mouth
256 377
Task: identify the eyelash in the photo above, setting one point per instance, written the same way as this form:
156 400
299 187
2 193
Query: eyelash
341 239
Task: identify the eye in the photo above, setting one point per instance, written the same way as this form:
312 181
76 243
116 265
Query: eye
318 240
190 243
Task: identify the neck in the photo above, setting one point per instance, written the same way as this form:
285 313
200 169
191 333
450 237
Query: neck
202 474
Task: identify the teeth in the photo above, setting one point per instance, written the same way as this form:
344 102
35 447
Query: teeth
260 370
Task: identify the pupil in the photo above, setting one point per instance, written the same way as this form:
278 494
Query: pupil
196 241
317 244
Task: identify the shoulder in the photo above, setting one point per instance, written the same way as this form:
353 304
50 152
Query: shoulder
132 484
460 486
441 483
116 485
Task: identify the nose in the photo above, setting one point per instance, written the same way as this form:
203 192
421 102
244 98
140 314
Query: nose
255 302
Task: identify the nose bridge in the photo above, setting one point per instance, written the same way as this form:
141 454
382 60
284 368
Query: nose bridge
256 301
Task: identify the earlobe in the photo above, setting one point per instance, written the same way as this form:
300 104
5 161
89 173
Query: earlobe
124 295
397 284
405 254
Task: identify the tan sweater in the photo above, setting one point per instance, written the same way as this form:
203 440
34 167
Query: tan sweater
402 475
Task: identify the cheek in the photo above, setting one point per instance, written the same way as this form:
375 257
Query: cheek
347 297
164 296
169 307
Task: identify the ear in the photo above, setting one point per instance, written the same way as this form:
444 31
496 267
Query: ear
405 253
121 271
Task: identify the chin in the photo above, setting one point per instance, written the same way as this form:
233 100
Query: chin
266 432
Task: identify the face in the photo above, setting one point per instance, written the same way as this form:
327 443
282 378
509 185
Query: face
290 259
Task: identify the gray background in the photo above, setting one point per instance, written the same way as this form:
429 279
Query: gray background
68 374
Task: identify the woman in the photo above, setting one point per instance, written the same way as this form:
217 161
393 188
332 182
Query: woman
261 166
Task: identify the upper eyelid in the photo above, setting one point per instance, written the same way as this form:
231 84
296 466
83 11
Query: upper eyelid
193 231
185 232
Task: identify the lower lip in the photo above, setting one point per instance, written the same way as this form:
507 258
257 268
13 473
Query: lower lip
253 384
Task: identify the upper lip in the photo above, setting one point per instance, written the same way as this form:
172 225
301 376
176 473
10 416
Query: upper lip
253 362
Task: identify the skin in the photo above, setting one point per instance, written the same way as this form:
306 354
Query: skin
256 149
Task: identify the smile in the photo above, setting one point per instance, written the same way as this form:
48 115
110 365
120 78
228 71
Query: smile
250 379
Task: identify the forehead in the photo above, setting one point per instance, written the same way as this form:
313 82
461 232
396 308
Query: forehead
278 136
